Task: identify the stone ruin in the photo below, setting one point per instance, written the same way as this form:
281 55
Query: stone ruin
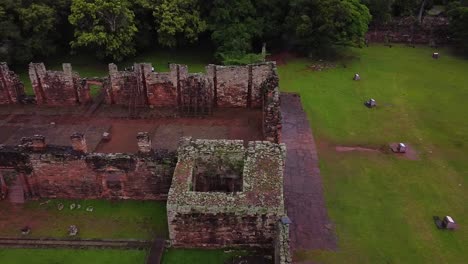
432 31
219 193
190 94
11 88
253 204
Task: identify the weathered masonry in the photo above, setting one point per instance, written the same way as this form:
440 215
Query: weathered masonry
244 203
11 88
48 171
191 94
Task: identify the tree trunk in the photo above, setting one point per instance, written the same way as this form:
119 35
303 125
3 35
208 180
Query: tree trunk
421 11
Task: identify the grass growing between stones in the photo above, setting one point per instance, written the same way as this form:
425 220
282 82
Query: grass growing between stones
109 219
50 256
382 205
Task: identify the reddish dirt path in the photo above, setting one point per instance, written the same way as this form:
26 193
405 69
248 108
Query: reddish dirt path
303 188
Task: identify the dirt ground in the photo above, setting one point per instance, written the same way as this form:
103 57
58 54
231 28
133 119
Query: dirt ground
57 124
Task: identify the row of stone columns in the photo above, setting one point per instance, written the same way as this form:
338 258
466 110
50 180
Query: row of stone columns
78 142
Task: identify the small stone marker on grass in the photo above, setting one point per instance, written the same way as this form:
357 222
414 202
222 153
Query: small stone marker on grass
357 77
25 230
435 55
401 148
371 103
72 230
446 223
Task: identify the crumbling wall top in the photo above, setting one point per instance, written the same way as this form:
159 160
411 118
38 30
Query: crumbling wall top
262 179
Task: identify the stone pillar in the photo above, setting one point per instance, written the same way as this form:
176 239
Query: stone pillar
37 72
78 141
38 143
144 142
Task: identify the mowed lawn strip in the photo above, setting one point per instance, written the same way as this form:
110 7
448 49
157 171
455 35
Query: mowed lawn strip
108 220
49 256
382 205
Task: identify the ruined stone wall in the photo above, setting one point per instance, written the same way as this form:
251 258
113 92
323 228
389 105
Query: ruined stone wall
220 219
57 88
65 172
281 244
11 88
272 120
239 86
433 30
209 230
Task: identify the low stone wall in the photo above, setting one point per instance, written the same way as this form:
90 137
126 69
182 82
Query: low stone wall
11 88
432 31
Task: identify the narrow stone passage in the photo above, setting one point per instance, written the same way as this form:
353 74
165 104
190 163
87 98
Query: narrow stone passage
303 187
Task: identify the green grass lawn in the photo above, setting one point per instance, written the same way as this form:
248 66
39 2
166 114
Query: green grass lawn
382 206
62 256
202 256
109 219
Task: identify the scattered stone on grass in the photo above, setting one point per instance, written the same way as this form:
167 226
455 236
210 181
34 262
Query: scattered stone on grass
371 103
89 209
78 206
60 206
72 230
435 55
25 230
357 77
72 206
46 202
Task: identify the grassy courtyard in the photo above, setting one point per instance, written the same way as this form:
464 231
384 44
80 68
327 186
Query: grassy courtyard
382 206
109 219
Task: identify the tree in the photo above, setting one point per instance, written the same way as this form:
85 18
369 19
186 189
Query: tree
318 25
234 25
108 26
458 15
178 18
27 30
381 10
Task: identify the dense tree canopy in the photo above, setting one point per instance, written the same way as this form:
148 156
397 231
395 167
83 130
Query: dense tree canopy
234 25
178 18
107 26
319 24
29 30
458 14
116 29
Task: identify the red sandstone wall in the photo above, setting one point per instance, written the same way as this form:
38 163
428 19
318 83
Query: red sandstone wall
11 88
57 88
66 179
79 178
217 230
